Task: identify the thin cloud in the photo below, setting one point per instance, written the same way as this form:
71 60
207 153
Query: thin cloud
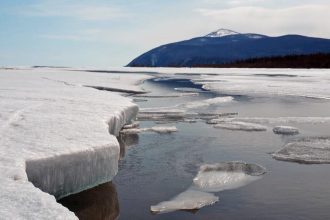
306 19
87 12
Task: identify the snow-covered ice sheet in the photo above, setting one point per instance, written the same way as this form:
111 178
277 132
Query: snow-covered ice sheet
58 135
313 83
269 82
211 178
273 120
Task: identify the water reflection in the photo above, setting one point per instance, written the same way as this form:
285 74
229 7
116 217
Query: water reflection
126 141
98 203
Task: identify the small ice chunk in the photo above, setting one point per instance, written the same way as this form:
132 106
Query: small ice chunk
187 200
132 125
164 130
224 176
286 130
157 129
313 150
241 126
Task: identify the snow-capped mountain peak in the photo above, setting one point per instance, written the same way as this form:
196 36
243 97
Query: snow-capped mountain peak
222 33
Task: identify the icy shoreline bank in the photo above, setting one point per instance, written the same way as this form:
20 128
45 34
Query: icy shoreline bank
55 134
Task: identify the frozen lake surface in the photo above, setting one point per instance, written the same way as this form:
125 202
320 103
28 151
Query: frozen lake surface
205 140
157 167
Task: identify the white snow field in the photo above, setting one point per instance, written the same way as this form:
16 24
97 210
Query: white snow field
211 178
58 135
312 83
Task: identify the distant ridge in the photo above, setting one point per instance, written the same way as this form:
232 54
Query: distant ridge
226 46
315 61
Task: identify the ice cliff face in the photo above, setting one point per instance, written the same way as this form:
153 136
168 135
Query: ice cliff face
55 138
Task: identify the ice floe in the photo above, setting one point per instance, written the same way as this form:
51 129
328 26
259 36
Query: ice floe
286 130
211 178
240 126
310 150
157 129
224 176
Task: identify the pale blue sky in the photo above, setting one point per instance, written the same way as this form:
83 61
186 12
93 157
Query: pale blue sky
105 33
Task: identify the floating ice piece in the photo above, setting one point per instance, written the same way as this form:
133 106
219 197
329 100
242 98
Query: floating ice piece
224 176
157 129
212 178
207 102
313 150
132 125
164 130
187 200
220 120
286 130
241 126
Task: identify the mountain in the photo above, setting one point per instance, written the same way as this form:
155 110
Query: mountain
227 46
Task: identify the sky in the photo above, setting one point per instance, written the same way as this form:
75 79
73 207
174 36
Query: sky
110 33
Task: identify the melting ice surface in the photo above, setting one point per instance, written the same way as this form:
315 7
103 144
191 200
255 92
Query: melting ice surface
241 126
211 178
207 102
311 150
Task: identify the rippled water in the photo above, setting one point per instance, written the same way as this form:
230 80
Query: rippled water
157 167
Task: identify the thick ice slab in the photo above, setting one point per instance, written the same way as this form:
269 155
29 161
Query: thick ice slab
59 135
312 150
212 178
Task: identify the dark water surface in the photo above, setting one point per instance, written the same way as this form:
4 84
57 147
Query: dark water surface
157 167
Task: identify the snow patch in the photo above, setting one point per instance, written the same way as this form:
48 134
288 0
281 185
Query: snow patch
222 33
